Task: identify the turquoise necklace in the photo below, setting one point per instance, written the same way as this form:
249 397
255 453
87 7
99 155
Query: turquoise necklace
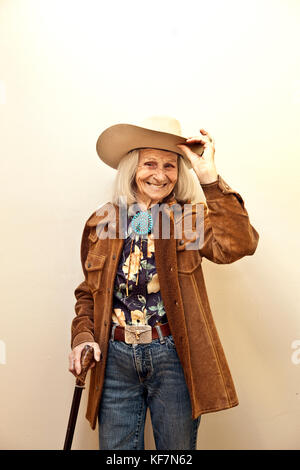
142 223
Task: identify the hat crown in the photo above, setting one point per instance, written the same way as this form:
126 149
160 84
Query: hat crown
158 131
162 124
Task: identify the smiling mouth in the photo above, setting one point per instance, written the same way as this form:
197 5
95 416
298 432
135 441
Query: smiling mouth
156 185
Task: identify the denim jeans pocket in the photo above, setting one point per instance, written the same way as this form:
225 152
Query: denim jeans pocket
170 342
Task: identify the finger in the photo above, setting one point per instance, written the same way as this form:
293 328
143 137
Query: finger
183 147
203 131
188 152
72 369
202 142
77 365
186 148
97 353
73 372
199 139
71 362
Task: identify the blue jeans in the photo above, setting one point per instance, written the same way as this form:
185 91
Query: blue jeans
138 376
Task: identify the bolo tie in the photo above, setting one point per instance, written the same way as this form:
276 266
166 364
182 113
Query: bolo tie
141 225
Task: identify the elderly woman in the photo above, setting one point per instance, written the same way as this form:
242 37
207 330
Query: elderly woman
143 304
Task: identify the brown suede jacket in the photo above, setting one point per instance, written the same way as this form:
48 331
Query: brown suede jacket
228 236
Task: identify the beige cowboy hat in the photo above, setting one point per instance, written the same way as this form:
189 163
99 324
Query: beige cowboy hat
160 132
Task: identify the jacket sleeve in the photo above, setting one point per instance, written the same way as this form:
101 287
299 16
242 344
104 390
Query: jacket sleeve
82 328
228 234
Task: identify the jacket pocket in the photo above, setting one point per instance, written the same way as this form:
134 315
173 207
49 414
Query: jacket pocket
187 260
94 264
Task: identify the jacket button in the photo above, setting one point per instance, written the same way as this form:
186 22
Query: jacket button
108 290
171 269
175 302
181 242
89 265
105 323
114 256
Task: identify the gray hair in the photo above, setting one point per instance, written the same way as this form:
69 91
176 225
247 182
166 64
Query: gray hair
124 185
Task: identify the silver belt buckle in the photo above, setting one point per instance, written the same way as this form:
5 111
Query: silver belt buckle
138 334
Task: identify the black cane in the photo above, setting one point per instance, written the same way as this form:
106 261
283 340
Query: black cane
87 359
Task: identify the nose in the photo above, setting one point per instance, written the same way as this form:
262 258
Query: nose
159 176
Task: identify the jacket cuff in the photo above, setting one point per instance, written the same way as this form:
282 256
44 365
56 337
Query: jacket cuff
82 338
217 189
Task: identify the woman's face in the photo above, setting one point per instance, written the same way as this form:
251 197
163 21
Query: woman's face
156 175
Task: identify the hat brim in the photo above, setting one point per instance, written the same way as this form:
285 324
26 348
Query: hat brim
116 141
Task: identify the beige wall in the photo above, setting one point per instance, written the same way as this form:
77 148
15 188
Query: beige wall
68 70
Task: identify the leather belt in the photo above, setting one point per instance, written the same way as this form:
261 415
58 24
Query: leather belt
119 333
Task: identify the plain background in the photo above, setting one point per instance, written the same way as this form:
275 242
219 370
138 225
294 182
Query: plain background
69 69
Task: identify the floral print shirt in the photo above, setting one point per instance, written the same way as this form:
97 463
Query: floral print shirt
143 305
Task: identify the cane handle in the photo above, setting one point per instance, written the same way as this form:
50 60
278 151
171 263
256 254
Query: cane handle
86 360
